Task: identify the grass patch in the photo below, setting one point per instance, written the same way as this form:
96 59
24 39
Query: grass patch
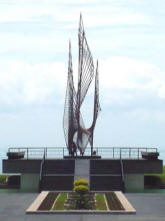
3 178
100 202
59 205
164 169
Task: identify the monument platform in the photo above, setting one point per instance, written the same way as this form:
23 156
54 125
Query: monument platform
115 172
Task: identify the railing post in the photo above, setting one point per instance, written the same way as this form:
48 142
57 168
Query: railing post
120 153
46 152
27 153
129 152
63 152
138 153
113 153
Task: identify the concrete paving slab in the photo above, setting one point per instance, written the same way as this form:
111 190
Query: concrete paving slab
149 207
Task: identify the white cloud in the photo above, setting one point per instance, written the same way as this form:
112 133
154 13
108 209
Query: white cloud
125 79
27 84
96 13
122 80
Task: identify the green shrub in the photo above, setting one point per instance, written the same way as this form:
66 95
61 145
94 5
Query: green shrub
83 202
81 189
3 179
163 168
82 197
81 181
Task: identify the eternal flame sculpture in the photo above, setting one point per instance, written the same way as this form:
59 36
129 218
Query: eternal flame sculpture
77 136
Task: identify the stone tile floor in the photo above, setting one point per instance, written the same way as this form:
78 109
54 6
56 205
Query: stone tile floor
149 207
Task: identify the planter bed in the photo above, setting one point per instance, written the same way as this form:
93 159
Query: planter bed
54 202
48 201
113 201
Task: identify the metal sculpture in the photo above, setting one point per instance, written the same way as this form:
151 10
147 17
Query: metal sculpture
77 137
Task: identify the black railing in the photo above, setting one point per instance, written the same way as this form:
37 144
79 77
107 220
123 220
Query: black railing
41 173
122 175
104 152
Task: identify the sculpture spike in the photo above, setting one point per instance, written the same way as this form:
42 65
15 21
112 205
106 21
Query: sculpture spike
76 135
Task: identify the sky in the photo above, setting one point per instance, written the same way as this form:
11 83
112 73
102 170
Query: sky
127 38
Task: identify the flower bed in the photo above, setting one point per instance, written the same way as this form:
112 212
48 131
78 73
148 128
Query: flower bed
58 202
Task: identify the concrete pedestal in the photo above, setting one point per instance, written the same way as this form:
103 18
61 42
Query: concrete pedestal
29 182
134 182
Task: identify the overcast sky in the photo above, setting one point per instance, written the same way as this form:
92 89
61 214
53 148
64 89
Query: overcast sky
128 39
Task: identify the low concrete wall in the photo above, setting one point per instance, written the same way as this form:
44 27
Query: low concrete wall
29 182
51 166
99 166
21 166
134 181
134 166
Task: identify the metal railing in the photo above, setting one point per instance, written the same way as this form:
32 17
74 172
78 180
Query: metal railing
122 175
41 173
104 152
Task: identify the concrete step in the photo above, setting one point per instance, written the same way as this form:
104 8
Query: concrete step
105 167
82 167
55 182
58 167
102 183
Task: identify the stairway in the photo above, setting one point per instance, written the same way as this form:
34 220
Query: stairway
57 182
58 175
106 175
82 167
106 183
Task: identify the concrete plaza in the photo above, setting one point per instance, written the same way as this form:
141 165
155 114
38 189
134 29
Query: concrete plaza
149 207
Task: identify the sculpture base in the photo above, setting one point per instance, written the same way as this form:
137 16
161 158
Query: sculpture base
82 157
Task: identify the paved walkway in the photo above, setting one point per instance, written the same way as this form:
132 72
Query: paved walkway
149 207
82 169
